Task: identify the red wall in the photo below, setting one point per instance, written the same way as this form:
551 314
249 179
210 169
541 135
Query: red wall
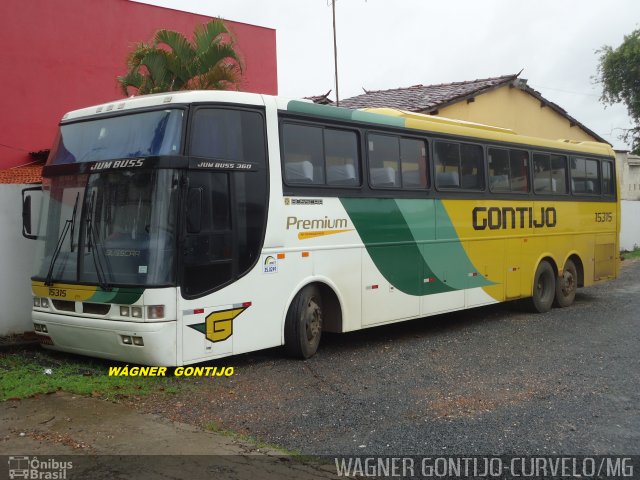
57 56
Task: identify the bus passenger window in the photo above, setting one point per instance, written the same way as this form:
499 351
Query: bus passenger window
499 170
384 161
549 174
608 184
413 159
471 167
519 162
303 156
559 174
585 178
341 152
508 170
447 158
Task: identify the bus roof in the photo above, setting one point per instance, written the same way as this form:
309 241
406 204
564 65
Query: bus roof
381 116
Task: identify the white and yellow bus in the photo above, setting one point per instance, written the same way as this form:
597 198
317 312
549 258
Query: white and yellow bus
184 227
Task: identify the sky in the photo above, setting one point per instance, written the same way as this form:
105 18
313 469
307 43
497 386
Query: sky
386 44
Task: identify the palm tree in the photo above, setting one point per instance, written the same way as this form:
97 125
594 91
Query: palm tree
172 62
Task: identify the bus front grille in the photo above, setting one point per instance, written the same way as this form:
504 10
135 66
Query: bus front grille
96 308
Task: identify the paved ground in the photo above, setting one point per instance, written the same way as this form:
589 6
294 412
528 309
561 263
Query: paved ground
490 380
486 381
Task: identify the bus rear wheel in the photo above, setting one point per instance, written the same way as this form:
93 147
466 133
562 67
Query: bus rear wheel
303 324
544 288
566 285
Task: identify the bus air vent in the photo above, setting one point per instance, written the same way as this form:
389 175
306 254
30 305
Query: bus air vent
64 305
96 308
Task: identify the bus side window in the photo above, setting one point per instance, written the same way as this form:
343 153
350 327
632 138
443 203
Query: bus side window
447 158
585 177
542 173
471 167
499 170
384 160
413 159
342 159
608 183
559 174
508 170
303 154
519 170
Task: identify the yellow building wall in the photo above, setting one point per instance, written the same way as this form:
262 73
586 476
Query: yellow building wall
512 108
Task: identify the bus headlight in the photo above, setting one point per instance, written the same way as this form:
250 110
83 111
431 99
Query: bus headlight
36 301
155 311
124 311
44 302
136 312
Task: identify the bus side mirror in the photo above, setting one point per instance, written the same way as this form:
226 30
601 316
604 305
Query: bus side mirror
26 212
194 210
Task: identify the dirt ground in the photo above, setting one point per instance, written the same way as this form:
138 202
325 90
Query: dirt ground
62 424
561 371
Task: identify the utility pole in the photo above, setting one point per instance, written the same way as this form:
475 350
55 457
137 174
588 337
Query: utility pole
335 51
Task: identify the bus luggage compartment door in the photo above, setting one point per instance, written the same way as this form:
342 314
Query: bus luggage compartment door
382 297
604 257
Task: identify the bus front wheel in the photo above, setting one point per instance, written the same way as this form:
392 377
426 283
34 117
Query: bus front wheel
566 285
544 288
303 324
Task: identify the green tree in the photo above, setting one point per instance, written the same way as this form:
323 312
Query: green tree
619 74
172 62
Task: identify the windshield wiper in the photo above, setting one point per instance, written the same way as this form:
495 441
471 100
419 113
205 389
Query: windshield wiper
69 224
92 240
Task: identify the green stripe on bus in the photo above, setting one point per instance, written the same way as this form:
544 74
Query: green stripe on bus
391 245
340 113
123 296
440 247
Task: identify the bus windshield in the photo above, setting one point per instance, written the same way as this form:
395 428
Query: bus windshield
125 234
134 135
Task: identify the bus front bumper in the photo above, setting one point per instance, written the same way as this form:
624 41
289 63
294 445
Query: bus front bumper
107 338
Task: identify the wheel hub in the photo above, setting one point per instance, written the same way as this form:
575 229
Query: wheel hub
568 283
313 320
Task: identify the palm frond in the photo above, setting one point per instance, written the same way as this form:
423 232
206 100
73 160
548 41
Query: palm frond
172 62
214 55
207 34
131 79
159 74
177 42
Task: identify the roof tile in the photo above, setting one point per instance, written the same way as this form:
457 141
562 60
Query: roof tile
22 175
419 98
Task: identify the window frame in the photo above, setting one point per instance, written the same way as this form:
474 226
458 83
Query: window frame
398 137
483 187
613 179
322 126
599 182
528 176
567 189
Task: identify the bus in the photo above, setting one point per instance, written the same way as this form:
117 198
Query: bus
183 227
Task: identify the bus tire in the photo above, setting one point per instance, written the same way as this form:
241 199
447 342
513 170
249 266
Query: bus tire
566 285
544 288
303 323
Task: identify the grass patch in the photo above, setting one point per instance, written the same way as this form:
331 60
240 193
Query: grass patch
635 253
28 372
216 428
